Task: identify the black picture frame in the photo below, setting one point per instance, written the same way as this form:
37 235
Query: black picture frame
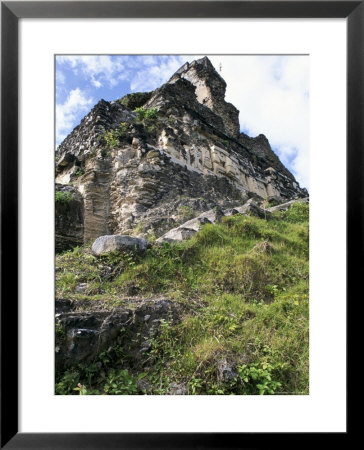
11 12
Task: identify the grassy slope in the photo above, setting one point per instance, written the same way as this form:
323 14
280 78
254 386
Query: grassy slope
245 281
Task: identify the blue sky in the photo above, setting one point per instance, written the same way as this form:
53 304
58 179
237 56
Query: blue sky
271 93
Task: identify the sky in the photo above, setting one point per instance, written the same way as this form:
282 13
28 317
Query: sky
270 91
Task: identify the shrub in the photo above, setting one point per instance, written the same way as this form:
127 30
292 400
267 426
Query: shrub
123 127
135 100
120 383
111 139
68 383
64 197
149 114
257 378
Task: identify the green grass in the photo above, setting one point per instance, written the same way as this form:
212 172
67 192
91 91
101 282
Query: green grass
245 282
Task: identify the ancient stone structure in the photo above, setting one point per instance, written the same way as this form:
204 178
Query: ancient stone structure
140 173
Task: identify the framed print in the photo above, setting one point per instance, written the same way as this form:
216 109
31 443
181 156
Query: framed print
51 57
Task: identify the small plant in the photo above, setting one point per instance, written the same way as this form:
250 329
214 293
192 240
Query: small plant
257 378
272 289
135 99
64 197
151 113
186 212
142 113
139 228
152 129
68 383
195 385
60 333
106 153
120 383
123 127
111 139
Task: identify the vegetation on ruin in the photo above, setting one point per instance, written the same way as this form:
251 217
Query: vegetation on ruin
64 197
243 285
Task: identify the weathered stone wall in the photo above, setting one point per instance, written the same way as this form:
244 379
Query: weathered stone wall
260 147
189 159
210 92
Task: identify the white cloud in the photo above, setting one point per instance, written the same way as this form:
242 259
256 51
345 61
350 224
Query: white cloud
154 72
95 71
68 112
143 72
60 78
271 93
98 69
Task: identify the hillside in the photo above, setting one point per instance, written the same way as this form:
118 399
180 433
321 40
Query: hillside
225 312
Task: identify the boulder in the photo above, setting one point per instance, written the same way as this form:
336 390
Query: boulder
287 205
189 228
177 235
178 389
226 372
118 243
253 209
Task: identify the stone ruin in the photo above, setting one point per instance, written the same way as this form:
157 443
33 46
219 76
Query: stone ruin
132 176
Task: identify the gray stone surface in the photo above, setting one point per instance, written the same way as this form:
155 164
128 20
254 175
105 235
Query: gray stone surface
191 227
178 389
251 208
191 156
285 206
225 372
87 332
118 243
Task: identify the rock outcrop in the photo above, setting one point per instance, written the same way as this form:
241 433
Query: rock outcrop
117 243
287 205
140 175
82 334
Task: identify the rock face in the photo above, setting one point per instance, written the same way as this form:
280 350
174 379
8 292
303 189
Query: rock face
68 218
210 90
148 175
117 243
189 228
81 335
